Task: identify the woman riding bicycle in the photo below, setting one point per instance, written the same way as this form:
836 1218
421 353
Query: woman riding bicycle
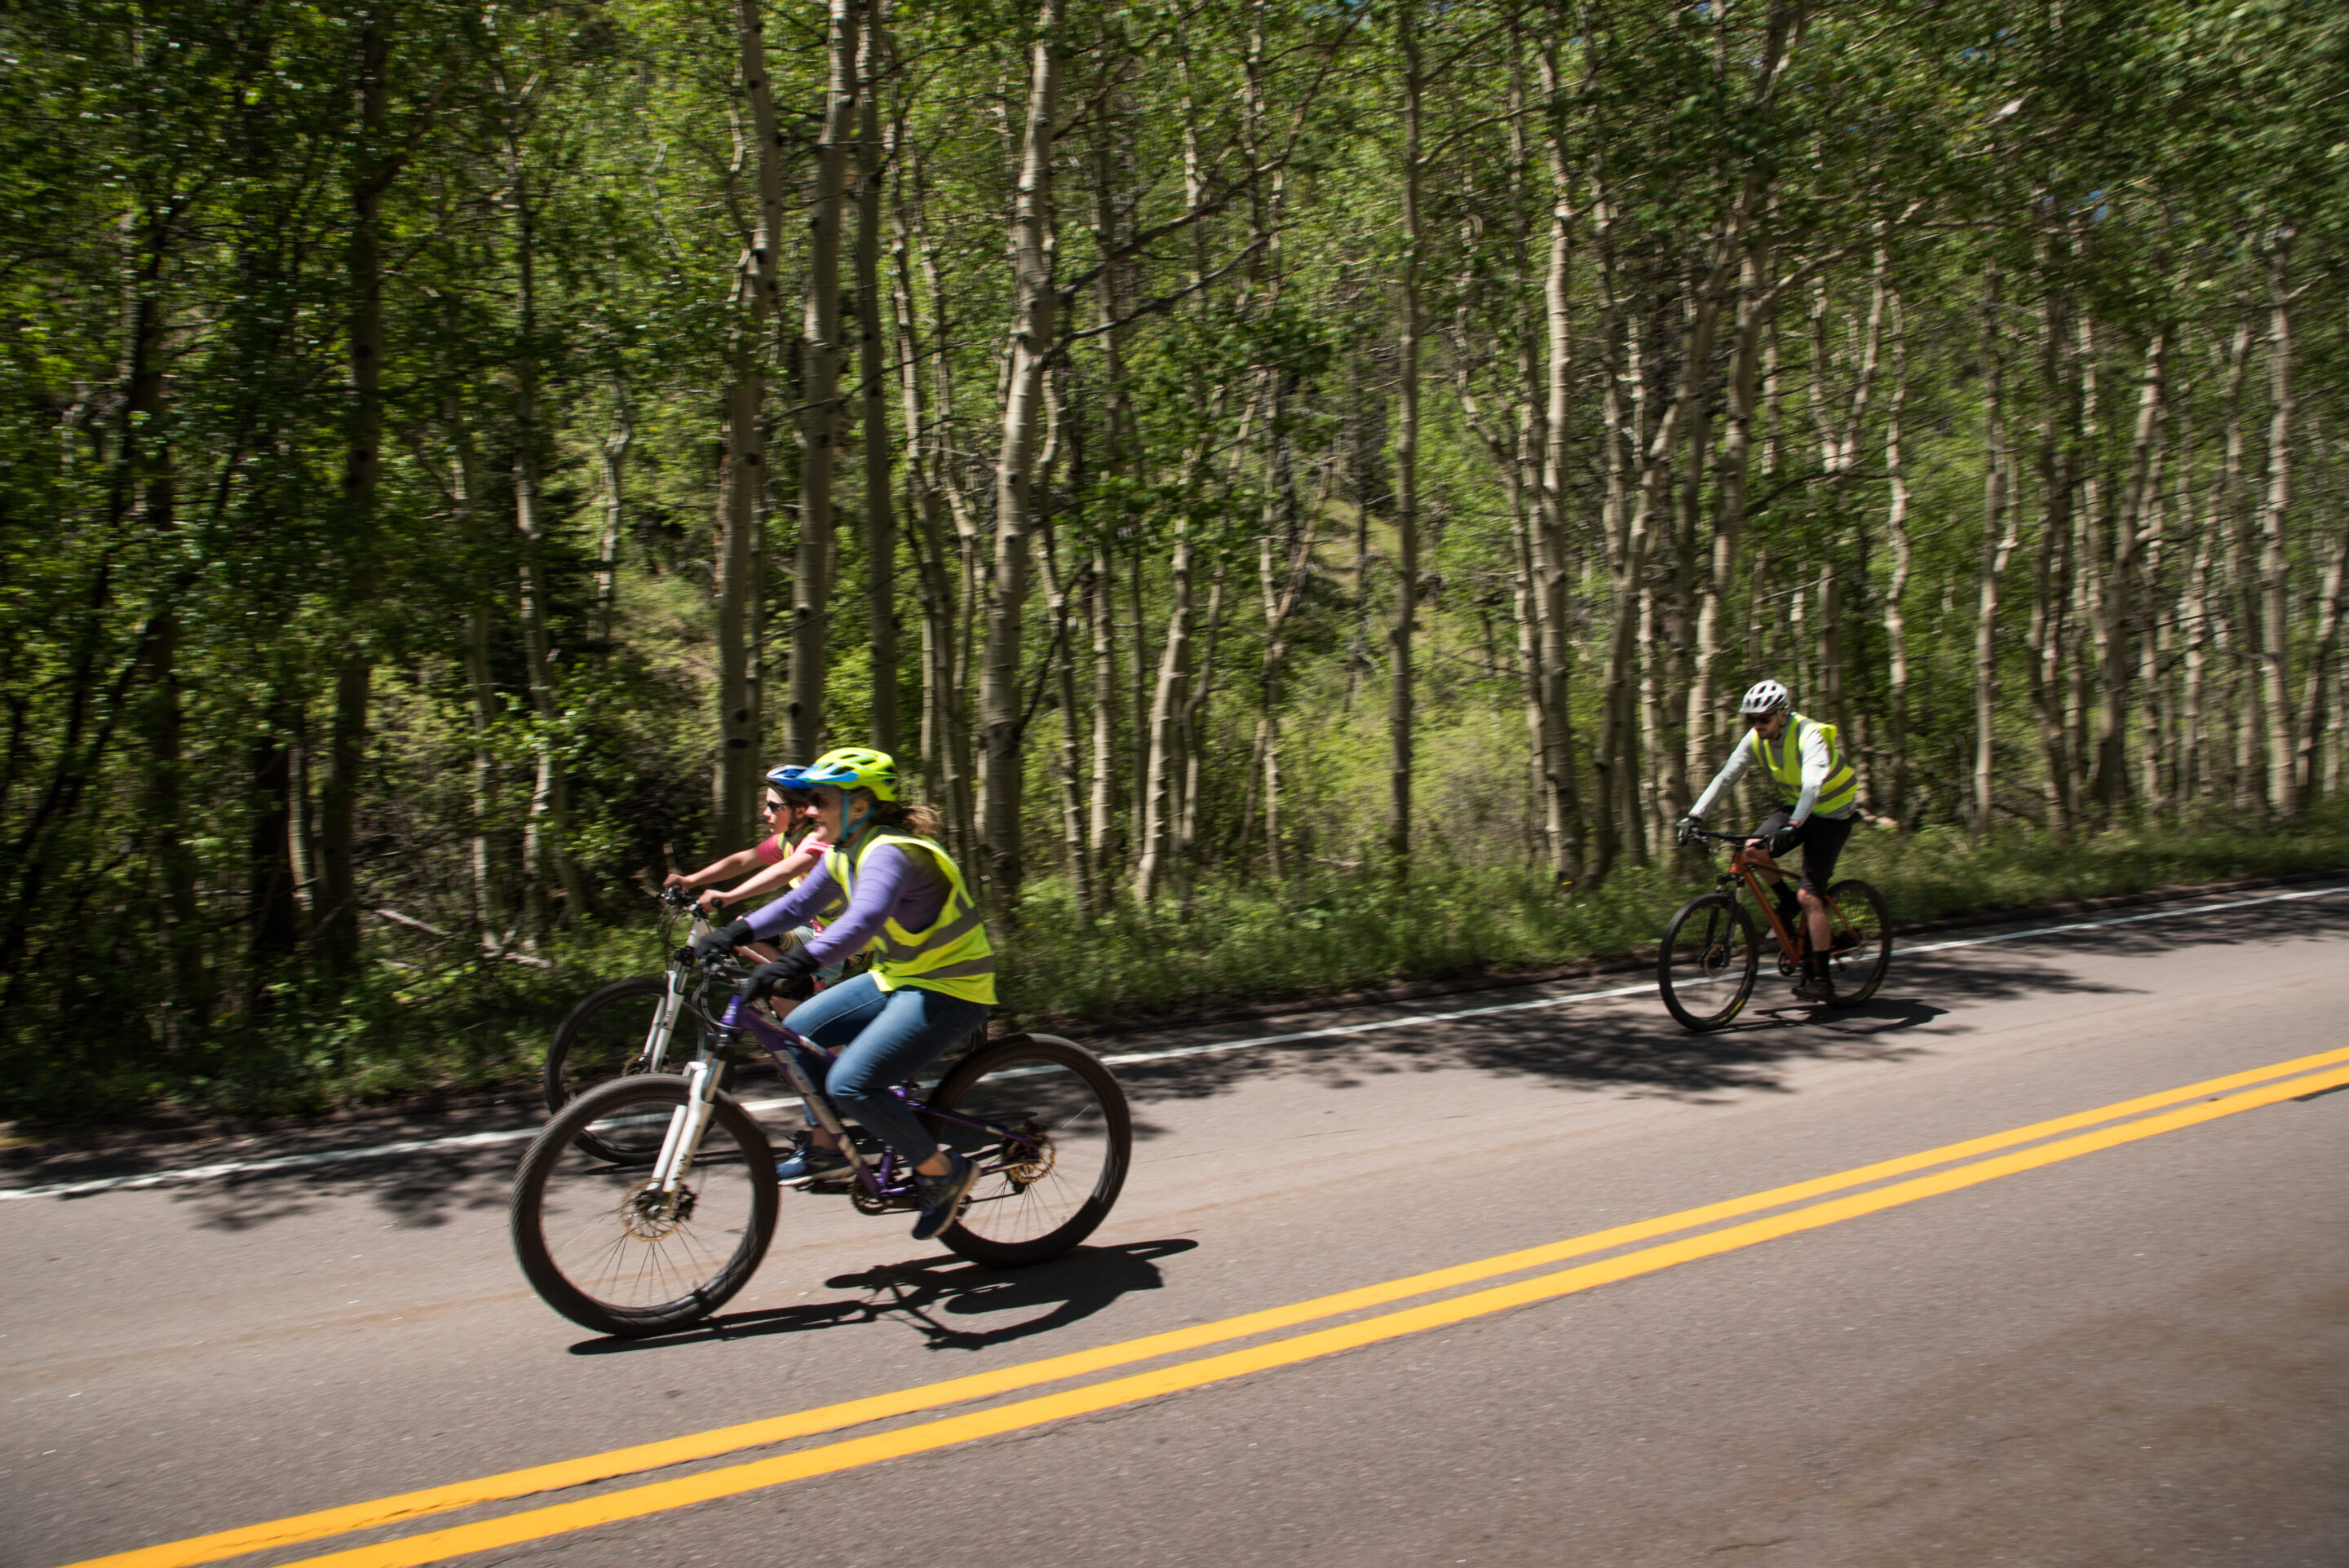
779 862
932 984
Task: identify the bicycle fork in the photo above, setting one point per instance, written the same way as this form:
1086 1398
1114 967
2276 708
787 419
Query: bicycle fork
687 1124
664 1025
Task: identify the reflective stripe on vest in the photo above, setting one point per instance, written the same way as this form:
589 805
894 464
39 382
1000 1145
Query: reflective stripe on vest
952 955
1784 761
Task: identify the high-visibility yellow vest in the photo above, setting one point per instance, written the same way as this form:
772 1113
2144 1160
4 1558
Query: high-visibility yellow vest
952 955
1784 761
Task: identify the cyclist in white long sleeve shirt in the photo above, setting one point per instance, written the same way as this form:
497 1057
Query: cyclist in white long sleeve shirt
1819 799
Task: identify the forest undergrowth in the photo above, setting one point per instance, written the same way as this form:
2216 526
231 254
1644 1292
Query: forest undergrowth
417 1032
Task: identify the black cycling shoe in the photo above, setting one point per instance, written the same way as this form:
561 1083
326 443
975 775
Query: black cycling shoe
1815 988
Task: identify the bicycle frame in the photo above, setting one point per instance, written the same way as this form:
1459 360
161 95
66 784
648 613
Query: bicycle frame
887 1178
1745 868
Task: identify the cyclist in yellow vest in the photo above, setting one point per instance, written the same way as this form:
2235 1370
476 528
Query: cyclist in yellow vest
1820 801
888 887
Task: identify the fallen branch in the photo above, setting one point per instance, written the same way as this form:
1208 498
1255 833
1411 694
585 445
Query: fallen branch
413 924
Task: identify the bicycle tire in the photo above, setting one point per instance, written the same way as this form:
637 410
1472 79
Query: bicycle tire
1860 970
604 1037
574 1230
1709 938
1020 1214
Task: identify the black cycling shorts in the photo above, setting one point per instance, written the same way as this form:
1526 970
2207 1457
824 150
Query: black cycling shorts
1822 840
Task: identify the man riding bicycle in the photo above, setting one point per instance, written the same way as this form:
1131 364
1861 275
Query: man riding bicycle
1820 797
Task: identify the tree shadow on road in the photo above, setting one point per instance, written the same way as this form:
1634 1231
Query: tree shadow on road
415 1191
924 1292
1624 1045
1629 1044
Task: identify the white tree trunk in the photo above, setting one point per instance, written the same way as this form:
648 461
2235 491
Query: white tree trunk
880 524
1034 335
820 418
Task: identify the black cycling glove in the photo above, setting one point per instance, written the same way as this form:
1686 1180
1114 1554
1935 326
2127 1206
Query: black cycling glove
786 976
722 942
1784 838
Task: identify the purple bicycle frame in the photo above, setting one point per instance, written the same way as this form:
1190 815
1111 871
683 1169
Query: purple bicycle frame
887 1178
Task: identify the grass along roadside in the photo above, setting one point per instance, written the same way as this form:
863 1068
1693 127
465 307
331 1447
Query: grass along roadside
415 1032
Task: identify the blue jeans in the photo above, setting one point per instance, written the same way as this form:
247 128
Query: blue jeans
887 1038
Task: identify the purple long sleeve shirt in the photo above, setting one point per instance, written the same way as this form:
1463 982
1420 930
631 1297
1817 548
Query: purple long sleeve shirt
891 884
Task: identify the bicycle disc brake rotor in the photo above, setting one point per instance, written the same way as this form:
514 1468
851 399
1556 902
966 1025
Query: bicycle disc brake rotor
1038 1145
647 1214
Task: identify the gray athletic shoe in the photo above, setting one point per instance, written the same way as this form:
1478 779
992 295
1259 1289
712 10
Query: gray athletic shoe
942 1196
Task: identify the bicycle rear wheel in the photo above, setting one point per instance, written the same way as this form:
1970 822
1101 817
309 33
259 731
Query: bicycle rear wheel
598 1243
1041 1193
1859 928
1706 968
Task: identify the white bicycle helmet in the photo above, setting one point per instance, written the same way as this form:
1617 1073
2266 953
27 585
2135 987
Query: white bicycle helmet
1765 697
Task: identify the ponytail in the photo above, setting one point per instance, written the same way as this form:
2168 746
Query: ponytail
921 821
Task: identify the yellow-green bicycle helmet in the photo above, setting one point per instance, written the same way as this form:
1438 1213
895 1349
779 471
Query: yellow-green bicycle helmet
854 767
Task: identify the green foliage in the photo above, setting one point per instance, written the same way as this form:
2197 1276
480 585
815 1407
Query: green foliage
192 563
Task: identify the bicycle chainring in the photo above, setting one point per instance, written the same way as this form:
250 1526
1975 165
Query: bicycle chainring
886 1203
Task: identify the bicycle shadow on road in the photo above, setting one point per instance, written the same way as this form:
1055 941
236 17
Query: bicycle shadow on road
924 1292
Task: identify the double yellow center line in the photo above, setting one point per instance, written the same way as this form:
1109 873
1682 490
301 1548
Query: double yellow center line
2129 1121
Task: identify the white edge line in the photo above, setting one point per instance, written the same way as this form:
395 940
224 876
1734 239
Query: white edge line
479 1140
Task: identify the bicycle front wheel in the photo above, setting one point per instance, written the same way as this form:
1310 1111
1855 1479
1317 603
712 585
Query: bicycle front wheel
1860 948
1706 968
607 1248
1048 1187
611 1033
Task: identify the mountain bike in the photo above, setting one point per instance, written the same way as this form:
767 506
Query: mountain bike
1711 955
657 1239
625 1030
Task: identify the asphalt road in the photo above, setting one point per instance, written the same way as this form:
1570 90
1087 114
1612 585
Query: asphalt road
2128 1347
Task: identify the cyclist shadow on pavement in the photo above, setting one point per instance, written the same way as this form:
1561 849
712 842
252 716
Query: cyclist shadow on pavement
927 1292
